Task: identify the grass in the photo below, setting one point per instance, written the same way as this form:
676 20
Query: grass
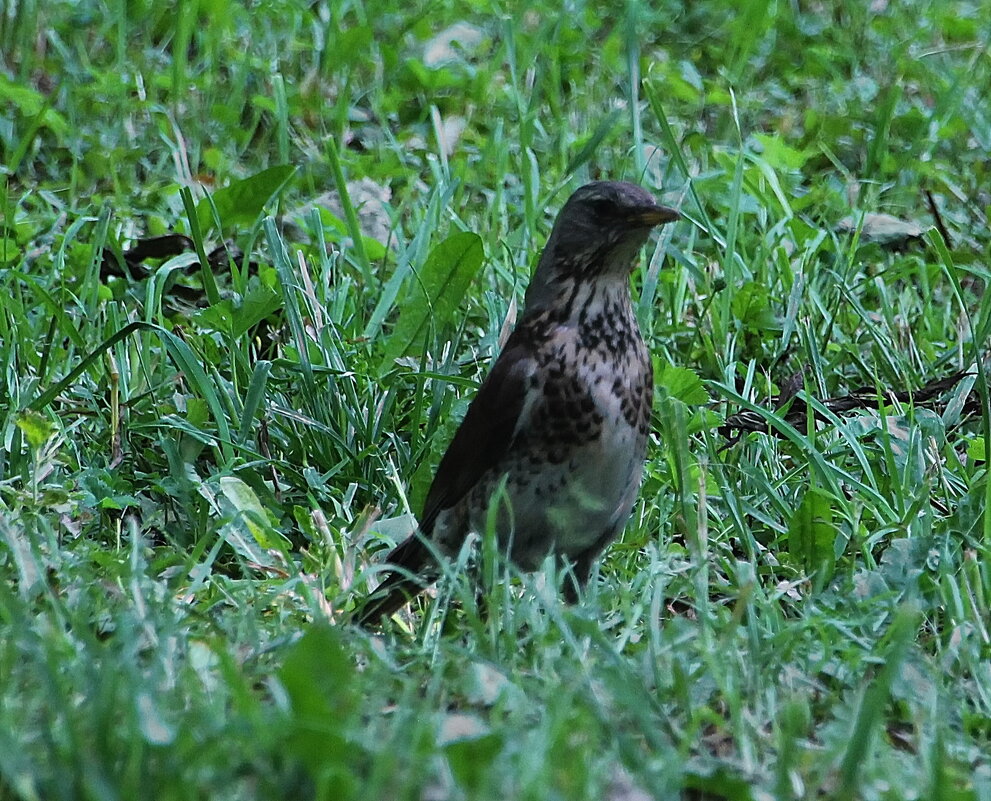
199 468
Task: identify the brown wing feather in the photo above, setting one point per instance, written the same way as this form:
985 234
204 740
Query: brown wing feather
481 441
399 586
485 433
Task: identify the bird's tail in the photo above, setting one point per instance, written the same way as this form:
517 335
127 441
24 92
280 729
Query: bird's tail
412 572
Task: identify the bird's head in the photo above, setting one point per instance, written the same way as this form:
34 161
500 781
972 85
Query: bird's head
598 233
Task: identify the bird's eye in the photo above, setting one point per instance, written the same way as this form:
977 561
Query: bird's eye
602 208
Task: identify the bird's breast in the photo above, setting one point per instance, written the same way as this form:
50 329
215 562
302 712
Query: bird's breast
573 466
582 467
592 383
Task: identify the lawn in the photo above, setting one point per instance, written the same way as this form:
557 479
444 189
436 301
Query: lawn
255 259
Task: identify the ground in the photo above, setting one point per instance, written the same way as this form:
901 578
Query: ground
200 467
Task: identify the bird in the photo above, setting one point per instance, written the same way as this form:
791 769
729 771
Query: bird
556 435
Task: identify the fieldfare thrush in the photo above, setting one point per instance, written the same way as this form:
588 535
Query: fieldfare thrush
557 434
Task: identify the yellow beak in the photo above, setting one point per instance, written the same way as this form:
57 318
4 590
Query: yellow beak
656 215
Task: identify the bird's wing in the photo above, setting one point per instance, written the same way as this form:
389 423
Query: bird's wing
411 573
497 413
492 421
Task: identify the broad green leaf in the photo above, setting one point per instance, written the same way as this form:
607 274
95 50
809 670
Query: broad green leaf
682 383
36 427
28 100
241 202
319 678
237 318
976 450
812 533
752 307
471 758
317 675
435 293
197 412
352 45
251 512
31 103
107 489
718 782
779 155
218 317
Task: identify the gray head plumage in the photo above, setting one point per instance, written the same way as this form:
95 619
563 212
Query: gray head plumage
598 232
